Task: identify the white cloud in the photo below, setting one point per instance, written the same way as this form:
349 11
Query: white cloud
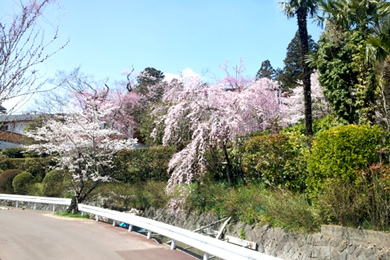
187 73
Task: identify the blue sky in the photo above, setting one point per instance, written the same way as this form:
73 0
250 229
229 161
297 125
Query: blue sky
107 37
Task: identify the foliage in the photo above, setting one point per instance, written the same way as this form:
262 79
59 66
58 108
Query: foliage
212 116
295 109
266 71
22 183
254 204
36 166
319 125
292 70
363 202
13 152
85 141
341 151
6 178
347 58
140 165
71 215
291 211
53 184
277 159
124 196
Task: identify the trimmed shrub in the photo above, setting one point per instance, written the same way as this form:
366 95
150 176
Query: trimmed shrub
13 152
22 183
276 159
139 165
36 166
6 178
341 152
53 184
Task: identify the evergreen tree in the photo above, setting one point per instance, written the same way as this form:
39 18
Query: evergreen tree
266 71
292 71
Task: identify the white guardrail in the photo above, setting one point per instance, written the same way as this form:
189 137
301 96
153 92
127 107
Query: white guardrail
209 245
35 199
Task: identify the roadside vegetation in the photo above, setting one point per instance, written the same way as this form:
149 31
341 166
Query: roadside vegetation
296 147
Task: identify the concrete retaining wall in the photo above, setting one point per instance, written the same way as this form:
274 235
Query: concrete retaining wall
332 243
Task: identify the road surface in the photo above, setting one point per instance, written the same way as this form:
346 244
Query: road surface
29 235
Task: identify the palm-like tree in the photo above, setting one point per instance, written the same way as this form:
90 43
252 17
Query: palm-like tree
301 9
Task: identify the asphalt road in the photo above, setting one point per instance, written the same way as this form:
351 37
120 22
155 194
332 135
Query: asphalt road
29 235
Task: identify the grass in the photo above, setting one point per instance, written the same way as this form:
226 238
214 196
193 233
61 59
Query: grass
71 215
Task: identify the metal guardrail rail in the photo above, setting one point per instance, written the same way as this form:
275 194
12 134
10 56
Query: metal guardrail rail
35 200
209 245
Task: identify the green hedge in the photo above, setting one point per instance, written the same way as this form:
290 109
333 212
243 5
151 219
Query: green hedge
276 159
6 178
36 166
22 183
143 164
53 184
341 152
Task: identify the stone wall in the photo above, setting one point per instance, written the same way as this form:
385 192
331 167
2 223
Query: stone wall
332 243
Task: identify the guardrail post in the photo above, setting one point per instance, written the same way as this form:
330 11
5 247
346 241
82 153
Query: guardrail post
206 256
130 228
54 207
149 236
35 205
17 203
97 218
114 222
173 244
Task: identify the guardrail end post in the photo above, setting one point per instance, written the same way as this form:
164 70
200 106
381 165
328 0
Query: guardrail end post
149 236
206 256
97 218
17 203
35 205
130 228
173 244
114 222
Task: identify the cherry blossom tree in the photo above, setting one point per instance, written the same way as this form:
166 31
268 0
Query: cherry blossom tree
84 142
211 116
295 108
23 48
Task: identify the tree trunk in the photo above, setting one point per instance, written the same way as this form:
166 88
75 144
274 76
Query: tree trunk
304 45
228 163
73 207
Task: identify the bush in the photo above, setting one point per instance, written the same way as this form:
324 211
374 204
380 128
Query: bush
6 178
254 204
290 211
124 196
339 153
319 125
36 166
276 159
53 184
139 165
22 183
13 152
